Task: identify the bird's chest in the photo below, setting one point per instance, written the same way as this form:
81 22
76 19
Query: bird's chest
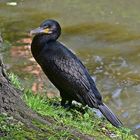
46 59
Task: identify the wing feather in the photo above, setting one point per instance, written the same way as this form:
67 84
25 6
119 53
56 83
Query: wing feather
72 70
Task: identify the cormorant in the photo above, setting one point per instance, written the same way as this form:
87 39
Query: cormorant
66 71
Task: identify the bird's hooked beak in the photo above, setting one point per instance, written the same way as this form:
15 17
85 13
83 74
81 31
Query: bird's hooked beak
40 30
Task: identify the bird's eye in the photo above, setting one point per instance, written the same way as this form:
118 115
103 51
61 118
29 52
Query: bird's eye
46 26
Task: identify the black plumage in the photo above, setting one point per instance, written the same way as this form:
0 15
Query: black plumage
66 71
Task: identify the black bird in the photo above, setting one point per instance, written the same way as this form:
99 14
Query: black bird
66 71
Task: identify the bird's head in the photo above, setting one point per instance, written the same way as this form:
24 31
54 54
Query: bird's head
49 27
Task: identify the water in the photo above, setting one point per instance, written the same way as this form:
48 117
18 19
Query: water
105 34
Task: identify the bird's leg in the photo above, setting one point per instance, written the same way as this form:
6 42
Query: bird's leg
69 103
63 102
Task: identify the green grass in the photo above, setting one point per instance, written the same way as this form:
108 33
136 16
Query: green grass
15 81
83 119
11 129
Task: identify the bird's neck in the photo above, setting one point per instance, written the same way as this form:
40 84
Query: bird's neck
38 43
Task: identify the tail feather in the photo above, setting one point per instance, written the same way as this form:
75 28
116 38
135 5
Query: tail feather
110 116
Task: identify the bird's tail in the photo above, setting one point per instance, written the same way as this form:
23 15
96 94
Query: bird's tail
111 117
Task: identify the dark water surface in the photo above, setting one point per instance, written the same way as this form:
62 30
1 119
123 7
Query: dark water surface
105 34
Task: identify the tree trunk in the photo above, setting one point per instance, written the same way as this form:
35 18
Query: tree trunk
12 104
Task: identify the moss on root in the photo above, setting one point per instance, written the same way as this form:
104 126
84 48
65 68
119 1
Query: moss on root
15 130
